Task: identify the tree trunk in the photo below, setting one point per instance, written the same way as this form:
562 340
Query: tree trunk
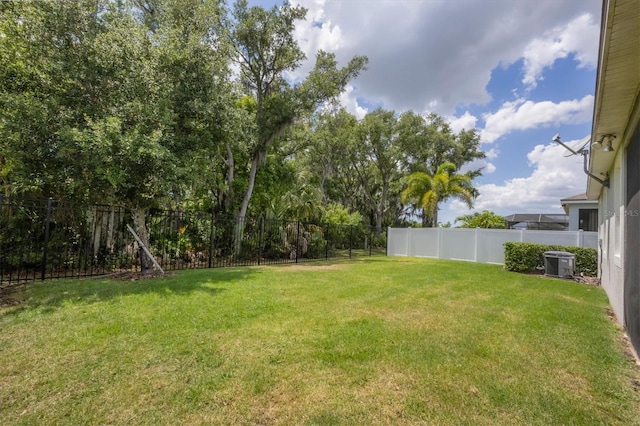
378 223
381 208
228 201
139 225
259 158
247 195
240 219
425 219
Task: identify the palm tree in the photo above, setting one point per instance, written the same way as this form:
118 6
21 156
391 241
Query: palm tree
304 202
426 191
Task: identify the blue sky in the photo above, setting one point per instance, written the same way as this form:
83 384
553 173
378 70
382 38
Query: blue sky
519 71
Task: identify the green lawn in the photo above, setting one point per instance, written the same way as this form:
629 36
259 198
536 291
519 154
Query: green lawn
372 341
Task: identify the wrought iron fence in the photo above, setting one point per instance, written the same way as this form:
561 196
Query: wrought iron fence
42 239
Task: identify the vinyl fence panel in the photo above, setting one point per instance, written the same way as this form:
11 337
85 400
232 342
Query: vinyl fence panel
490 244
458 244
423 242
590 239
477 245
560 238
397 242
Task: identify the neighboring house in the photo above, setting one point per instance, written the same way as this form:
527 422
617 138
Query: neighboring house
583 213
615 156
538 221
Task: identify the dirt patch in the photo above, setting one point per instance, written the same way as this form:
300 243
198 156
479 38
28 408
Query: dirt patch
9 297
303 267
582 279
135 276
628 350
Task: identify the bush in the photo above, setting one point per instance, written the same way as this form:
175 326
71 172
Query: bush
529 257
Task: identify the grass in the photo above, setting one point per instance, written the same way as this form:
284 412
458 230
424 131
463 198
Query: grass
373 341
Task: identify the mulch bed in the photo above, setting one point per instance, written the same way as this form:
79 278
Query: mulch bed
594 281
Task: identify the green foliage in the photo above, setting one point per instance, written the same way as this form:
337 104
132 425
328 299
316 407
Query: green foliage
264 49
529 257
337 214
427 142
487 219
316 242
133 103
426 192
375 159
109 107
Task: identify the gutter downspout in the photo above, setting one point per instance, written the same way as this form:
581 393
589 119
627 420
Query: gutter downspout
604 182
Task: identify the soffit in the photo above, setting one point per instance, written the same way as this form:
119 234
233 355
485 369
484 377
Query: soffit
618 84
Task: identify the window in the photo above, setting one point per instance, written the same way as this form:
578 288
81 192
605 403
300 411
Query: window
588 219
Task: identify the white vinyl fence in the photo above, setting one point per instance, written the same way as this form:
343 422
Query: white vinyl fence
475 245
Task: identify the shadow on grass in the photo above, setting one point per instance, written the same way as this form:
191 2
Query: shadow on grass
49 295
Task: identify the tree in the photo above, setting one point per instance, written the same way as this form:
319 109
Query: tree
331 134
265 48
428 142
375 160
426 191
110 102
487 219
302 202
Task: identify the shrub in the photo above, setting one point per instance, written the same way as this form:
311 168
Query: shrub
529 257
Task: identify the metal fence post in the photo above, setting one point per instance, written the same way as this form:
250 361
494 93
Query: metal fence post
326 245
371 239
211 230
297 241
1 229
47 228
350 239
260 239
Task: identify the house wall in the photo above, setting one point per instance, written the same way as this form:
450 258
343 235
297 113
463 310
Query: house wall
632 241
574 210
611 254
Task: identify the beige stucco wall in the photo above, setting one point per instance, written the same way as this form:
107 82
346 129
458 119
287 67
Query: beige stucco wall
611 236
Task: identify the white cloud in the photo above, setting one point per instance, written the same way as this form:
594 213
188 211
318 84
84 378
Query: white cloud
465 122
481 164
492 154
350 102
580 37
317 32
439 55
554 176
524 115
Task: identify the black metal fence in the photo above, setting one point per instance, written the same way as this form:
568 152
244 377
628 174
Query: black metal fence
42 239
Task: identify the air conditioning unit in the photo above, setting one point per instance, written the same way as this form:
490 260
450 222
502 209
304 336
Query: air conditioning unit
560 264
